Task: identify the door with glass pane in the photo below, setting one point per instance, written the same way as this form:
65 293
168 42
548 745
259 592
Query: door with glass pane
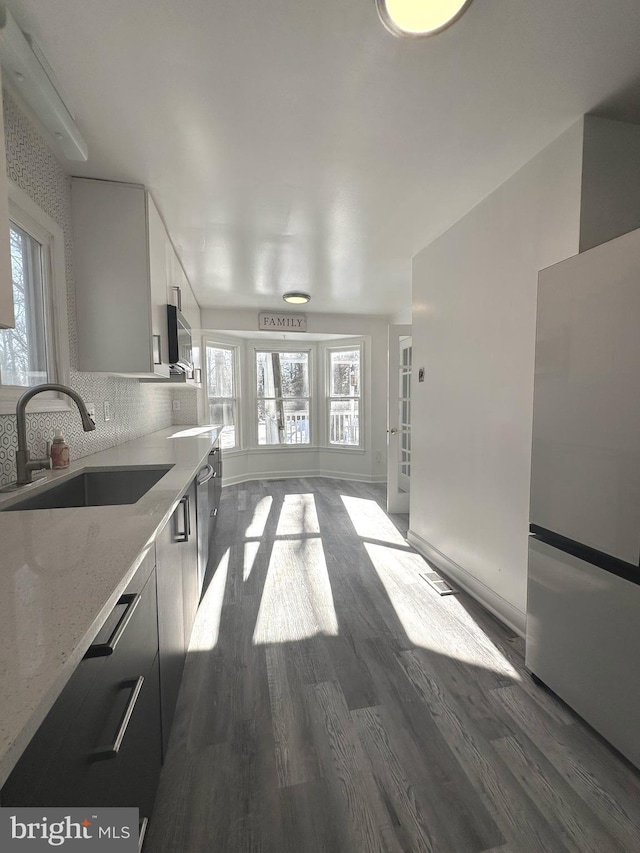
399 419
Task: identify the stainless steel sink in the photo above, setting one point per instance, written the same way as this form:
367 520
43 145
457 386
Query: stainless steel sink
94 488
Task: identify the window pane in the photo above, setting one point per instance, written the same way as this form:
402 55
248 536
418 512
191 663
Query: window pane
344 422
283 422
265 375
296 421
294 367
220 379
345 374
282 374
23 351
268 431
223 412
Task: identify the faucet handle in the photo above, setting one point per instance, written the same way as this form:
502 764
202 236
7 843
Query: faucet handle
38 464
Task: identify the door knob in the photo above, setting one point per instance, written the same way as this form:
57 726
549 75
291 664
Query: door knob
393 431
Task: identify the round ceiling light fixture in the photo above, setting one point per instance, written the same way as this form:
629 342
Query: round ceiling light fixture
296 297
415 18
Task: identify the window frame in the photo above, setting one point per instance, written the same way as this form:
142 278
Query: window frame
28 216
219 343
285 346
330 348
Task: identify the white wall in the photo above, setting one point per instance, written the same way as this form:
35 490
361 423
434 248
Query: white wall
610 180
474 309
344 463
402 318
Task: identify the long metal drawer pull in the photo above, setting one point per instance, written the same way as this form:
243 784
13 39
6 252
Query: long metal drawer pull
142 832
99 650
210 473
183 536
112 750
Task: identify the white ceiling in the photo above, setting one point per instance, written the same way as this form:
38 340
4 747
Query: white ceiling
296 144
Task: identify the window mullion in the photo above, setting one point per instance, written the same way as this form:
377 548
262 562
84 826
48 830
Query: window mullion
277 385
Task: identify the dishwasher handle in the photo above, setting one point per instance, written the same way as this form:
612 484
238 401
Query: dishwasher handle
205 475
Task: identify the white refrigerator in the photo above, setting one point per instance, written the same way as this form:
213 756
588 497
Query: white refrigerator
583 595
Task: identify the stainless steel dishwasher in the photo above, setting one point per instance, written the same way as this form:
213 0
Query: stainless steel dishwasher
209 482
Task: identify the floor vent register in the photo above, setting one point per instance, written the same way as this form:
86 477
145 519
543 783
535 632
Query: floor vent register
437 582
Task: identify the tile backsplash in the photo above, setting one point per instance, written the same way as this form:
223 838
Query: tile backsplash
137 408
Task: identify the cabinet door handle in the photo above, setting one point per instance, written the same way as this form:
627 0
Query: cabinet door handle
157 349
99 650
113 749
183 535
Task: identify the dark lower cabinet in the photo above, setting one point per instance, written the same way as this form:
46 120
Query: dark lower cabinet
177 568
190 587
100 745
103 742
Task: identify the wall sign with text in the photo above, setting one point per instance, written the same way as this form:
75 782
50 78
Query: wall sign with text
282 322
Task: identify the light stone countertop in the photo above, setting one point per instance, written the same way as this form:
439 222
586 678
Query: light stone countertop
63 570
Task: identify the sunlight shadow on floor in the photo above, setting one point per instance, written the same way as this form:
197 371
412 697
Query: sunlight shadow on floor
414 603
297 601
206 629
371 521
260 517
298 516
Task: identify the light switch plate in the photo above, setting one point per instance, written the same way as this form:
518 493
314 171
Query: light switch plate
176 405
108 414
91 409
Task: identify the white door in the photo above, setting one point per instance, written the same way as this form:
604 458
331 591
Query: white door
399 419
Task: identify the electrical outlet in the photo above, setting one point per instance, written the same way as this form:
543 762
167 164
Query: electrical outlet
108 414
379 456
91 409
176 405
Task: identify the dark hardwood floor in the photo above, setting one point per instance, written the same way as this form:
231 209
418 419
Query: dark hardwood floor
332 701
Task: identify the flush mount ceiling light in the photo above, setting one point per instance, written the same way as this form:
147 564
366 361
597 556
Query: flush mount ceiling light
296 298
415 18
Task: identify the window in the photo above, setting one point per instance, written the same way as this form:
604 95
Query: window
37 349
23 350
344 399
222 395
283 397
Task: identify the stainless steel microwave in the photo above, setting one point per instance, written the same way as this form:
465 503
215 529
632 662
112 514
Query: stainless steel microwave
179 338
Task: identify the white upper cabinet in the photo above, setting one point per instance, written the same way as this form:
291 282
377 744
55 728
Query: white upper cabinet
119 245
6 287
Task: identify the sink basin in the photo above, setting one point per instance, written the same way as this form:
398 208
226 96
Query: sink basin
95 488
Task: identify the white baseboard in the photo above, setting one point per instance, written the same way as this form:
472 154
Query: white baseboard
494 603
291 475
358 478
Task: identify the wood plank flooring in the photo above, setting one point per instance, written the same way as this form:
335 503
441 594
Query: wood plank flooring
332 702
